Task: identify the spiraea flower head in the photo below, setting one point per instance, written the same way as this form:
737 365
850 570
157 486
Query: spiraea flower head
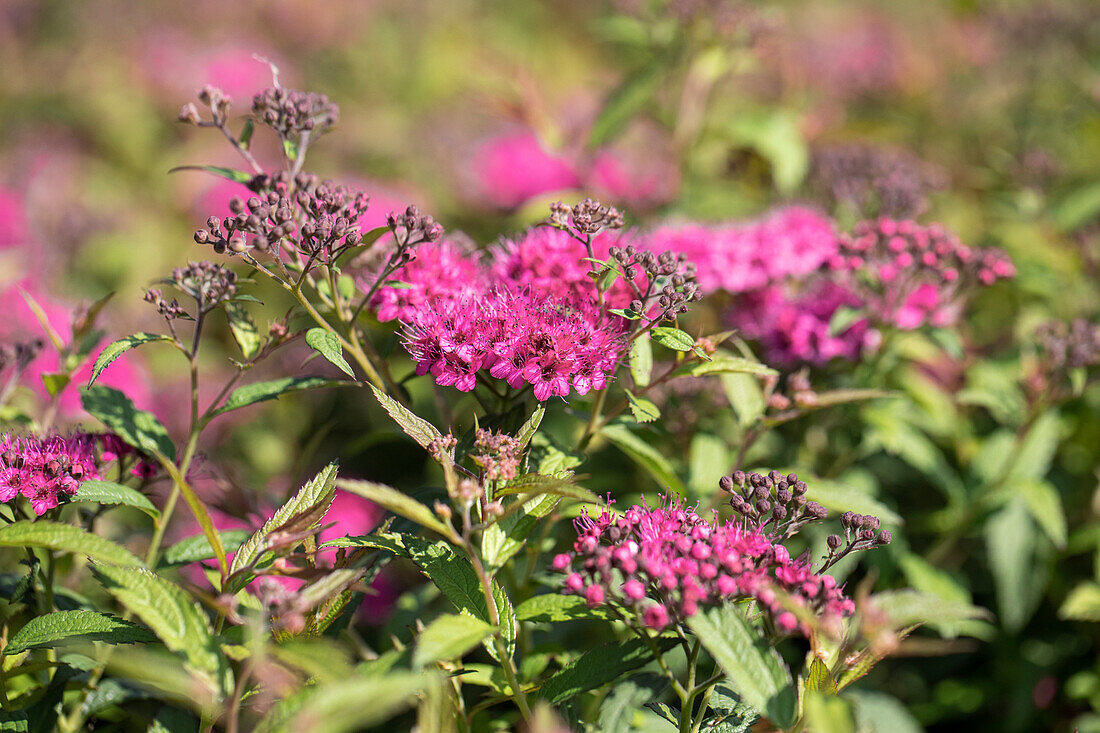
438 269
497 454
585 218
663 564
513 335
46 471
291 113
909 274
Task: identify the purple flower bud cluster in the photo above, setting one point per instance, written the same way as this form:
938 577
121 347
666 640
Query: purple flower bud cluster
46 471
861 532
516 335
663 564
874 181
585 218
668 280
497 454
908 274
208 283
774 505
291 113
213 98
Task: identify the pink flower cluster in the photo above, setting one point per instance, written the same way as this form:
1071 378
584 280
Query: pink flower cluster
514 334
909 275
667 562
526 313
794 329
47 470
739 257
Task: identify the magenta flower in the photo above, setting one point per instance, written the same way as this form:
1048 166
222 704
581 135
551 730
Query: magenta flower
513 168
45 471
665 563
736 258
439 269
14 230
516 335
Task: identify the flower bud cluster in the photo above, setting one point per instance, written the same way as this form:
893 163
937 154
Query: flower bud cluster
258 223
208 283
212 98
585 218
442 447
774 505
47 471
412 227
668 279
290 112
909 274
169 309
1067 350
861 532
497 454
664 564
874 181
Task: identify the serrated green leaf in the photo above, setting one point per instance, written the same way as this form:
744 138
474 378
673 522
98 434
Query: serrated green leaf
64 538
625 699
54 383
345 706
449 637
327 344
250 394
312 500
645 456
244 329
641 360
417 428
643 409
528 429
108 492
724 365
756 672
534 484
827 713
554 607
672 338
503 539
81 625
820 679
173 616
139 428
1035 453
599 666
397 502
1045 505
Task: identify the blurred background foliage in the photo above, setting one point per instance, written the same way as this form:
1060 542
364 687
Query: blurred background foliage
713 110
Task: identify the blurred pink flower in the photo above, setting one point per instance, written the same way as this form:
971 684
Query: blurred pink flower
515 167
14 230
21 323
179 66
632 180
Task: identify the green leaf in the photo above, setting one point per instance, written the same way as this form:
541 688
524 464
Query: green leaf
641 360
879 713
138 428
1045 505
756 672
503 539
554 607
844 396
844 318
528 429
907 607
625 699
250 394
417 428
64 538
290 149
776 136
449 637
107 492
599 666
673 338
1082 603
228 174
745 396
820 679
116 349
724 365
625 102
644 455
356 703
709 461
827 712
173 616
1010 540
327 344
533 484
643 409
246 133
1035 453
54 383
197 547
244 330
308 507
82 625
397 502
1077 208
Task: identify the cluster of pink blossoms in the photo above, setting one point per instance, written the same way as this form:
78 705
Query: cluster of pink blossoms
736 258
908 275
46 471
667 562
525 313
